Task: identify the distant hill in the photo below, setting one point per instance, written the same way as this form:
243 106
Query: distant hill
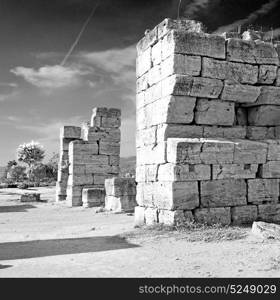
127 165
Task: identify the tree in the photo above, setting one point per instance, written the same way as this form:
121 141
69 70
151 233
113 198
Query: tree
30 153
52 166
17 173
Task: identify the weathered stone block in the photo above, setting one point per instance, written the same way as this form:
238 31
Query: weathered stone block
244 214
151 154
196 151
267 74
227 192
166 131
120 203
118 186
240 93
269 212
80 179
214 112
170 109
270 169
112 122
173 217
143 62
260 133
238 72
146 136
154 75
74 195
234 171
151 216
30 197
268 95
220 215
146 173
273 149
184 85
264 115
263 190
93 197
109 148
168 195
193 43
181 64
172 172
236 132
249 152
72 132
251 52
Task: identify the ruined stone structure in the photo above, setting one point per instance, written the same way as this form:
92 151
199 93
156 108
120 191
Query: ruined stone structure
88 155
120 194
208 127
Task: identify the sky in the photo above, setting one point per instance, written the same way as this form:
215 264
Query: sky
38 94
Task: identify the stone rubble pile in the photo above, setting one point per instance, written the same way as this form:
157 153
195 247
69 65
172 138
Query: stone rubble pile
88 155
208 127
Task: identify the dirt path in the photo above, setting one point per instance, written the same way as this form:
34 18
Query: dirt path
52 240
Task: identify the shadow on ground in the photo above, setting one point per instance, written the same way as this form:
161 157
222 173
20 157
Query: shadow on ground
41 248
5 266
15 208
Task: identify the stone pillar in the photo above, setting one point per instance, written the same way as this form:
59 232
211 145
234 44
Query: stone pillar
208 116
67 134
95 156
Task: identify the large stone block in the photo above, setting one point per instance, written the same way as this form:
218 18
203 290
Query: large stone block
268 95
244 214
168 195
72 132
263 190
214 112
260 133
251 52
108 148
184 85
273 149
269 212
93 197
147 136
143 62
270 169
267 74
139 216
264 115
166 131
118 186
210 216
234 171
196 151
181 64
172 172
151 154
238 72
146 173
236 132
120 203
227 192
193 43
74 195
80 179
249 152
170 109
240 93
174 217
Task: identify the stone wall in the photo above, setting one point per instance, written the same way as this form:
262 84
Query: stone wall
88 155
208 127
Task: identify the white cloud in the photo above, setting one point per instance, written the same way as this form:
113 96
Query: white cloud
51 77
8 90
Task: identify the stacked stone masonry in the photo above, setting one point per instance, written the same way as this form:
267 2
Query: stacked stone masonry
88 155
120 194
208 127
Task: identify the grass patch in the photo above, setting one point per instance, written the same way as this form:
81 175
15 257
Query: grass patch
190 232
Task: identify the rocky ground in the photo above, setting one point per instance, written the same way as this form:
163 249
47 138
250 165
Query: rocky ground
46 239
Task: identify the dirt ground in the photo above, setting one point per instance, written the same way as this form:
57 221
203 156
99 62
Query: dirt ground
46 239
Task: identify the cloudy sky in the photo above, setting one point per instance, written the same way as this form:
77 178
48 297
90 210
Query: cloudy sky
39 94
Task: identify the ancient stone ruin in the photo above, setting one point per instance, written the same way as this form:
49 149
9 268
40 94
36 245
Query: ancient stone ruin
88 155
208 126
